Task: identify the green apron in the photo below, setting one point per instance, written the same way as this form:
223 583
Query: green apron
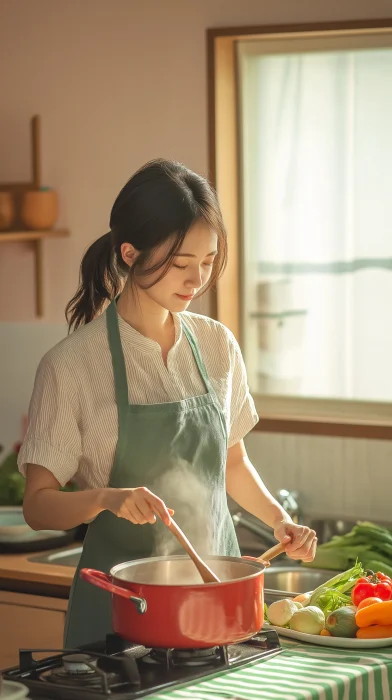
182 443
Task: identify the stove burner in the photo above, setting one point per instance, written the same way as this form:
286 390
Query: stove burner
191 657
81 670
79 663
185 657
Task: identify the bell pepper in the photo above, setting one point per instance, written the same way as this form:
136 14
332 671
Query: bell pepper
371 587
384 577
374 632
377 614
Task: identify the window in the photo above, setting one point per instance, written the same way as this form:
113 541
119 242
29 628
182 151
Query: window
314 241
317 224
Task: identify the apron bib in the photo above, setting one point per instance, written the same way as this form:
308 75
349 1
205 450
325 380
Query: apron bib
178 450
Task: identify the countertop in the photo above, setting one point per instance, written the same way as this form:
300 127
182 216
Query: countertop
18 568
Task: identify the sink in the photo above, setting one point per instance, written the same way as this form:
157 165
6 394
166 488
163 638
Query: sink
289 581
62 557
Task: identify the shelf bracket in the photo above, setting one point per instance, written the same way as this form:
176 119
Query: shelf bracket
39 284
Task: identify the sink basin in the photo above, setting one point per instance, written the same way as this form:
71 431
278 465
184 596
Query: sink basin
63 557
289 581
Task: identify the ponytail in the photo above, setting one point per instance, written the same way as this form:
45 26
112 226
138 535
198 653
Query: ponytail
156 207
99 280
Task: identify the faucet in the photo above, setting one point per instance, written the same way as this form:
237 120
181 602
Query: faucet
289 501
256 526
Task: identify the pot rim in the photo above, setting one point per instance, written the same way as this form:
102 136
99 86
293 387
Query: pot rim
260 568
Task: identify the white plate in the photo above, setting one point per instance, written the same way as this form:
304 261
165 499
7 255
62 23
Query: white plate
342 642
14 691
13 527
12 522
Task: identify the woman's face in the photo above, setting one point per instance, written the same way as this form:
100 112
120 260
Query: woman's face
190 271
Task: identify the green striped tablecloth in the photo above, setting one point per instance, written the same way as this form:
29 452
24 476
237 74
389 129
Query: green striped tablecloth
300 672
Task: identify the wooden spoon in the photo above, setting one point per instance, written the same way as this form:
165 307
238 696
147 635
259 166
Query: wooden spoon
205 572
271 553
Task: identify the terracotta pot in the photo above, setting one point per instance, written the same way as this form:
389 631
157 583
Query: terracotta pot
39 209
7 211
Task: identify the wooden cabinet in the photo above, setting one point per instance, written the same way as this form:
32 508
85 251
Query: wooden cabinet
29 621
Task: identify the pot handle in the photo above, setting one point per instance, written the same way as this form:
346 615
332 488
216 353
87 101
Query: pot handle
98 578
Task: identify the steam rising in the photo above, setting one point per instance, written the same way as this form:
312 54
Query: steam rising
190 497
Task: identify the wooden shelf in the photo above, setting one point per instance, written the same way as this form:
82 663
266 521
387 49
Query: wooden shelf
37 238
9 236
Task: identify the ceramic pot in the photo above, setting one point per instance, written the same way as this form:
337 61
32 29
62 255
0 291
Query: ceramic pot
7 211
161 601
39 209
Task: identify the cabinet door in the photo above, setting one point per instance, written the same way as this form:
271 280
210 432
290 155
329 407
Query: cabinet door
29 622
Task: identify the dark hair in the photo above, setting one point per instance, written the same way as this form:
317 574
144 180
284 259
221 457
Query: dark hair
161 200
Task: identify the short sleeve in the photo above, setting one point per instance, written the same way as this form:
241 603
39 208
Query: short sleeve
243 414
53 438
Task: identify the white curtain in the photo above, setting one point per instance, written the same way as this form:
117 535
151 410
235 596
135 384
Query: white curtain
317 191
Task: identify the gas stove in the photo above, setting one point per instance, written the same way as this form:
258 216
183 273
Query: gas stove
124 671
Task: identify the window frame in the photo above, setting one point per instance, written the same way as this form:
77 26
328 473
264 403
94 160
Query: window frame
283 414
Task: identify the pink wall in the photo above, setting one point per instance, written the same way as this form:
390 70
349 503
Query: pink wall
116 82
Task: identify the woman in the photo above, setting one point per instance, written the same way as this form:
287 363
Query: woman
146 405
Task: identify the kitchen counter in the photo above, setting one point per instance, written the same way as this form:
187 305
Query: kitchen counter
301 672
20 574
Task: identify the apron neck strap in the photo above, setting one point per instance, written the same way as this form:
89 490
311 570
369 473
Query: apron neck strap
118 362
198 358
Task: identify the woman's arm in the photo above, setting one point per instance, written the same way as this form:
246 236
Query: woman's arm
245 486
45 507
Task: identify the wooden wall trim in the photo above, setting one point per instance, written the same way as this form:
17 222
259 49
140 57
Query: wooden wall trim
211 139
344 26
224 169
315 427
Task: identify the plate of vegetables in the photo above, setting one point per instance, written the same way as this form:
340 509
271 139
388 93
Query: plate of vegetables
352 610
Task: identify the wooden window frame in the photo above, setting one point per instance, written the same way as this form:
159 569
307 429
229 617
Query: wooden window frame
339 418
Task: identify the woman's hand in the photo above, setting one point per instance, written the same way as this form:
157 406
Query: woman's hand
301 541
139 505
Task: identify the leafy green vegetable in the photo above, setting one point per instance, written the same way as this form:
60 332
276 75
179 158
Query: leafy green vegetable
366 542
329 599
374 565
342 583
12 483
266 613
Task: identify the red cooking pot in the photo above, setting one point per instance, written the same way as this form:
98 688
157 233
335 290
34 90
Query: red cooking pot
161 602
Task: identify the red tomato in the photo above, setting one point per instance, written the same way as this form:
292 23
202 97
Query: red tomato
368 601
